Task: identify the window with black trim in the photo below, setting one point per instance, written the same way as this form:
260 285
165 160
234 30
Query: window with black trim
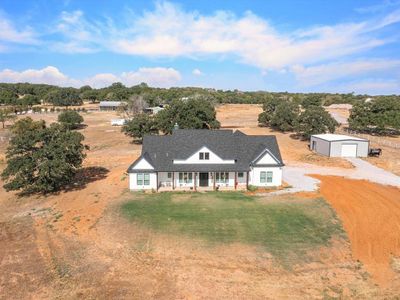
263 177
185 177
269 176
169 175
222 177
240 174
204 155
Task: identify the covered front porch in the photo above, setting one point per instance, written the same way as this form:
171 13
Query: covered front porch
201 181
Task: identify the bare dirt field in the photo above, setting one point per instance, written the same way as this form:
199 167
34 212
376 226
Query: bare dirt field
371 216
76 245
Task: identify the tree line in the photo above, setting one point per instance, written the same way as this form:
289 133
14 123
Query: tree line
27 94
378 115
306 117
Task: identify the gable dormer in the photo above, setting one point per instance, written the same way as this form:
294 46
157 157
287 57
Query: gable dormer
204 156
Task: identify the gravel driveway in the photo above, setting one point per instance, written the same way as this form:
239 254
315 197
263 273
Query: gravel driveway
296 175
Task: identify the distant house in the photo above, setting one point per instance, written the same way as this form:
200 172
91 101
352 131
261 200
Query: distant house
153 110
111 105
197 159
337 145
118 122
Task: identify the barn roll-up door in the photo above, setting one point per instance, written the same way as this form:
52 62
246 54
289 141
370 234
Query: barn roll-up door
349 150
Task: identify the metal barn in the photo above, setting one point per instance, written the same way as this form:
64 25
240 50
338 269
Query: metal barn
337 145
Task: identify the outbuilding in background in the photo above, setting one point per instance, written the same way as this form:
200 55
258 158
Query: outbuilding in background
337 145
118 122
111 105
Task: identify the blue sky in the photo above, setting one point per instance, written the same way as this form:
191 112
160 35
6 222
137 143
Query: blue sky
295 46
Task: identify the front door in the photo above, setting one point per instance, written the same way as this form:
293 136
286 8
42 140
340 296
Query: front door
203 178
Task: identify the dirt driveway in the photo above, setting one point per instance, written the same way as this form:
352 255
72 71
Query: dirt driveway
297 175
371 217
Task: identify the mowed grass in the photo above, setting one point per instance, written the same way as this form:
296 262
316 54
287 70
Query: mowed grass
282 227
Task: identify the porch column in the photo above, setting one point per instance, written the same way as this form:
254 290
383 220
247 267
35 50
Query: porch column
235 180
247 180
173 180
157 181
214 181
195 176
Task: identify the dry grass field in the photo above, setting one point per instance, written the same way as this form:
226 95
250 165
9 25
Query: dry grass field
81 245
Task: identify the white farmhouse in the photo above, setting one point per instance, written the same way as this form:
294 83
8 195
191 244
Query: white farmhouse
337 145
191 159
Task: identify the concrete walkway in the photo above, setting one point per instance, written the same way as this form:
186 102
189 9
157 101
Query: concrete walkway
296 175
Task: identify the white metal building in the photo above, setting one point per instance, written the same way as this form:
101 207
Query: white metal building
337 145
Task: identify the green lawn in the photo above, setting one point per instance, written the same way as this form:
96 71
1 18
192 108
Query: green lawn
282 227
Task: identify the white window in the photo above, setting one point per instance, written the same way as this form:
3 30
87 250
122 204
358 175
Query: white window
269 176
143 179
185 177
222 177
263 177
169 175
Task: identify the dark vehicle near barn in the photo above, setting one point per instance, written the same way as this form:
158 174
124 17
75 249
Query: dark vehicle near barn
375 152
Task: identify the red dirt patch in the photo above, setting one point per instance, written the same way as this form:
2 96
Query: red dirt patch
371 217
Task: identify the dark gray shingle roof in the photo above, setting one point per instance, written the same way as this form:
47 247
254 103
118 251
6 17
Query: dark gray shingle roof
160 151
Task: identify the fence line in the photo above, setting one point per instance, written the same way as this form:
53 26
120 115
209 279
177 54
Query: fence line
375 139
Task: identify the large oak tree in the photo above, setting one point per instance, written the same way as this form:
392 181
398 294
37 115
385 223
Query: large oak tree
42 159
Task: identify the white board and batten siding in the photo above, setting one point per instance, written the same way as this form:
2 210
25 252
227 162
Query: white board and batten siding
255 173
334 145
267 159
255 176
195 158
143 164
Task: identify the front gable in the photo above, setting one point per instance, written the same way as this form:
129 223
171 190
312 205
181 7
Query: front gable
195 158
142 164
266 158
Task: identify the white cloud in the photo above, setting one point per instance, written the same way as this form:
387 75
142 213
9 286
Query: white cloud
315 75
169 31
10 34
101 80
49 75
197 72
79 35
378 7
160 77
